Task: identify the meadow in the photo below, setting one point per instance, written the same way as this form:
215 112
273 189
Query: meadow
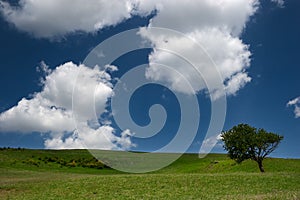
75 174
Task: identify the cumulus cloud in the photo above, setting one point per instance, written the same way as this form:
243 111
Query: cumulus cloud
296 104
210 142
215 26
236 82
216 59
50 111
188 15
280 3
50 18
101 138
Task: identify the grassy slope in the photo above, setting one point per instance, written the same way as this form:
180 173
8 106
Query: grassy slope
24 174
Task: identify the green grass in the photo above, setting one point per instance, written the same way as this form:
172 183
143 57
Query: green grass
27 174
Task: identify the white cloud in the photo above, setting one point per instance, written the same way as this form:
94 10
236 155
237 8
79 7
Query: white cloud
101 138
36 115
280 3
296 103
49 18
50 111
187 15
216 26
236 82
210 142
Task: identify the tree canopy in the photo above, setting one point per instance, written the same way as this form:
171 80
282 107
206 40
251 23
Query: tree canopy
245 142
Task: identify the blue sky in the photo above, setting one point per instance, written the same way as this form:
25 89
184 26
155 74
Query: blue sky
261 80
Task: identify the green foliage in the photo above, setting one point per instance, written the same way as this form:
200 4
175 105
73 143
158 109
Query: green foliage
31 162
72 160
245 142
88 162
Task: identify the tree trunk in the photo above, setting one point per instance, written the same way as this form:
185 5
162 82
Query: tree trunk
260 165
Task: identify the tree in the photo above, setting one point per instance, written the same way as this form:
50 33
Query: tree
245 142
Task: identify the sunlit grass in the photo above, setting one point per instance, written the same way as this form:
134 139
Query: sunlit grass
214 177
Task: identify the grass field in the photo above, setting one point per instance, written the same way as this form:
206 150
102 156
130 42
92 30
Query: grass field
74 174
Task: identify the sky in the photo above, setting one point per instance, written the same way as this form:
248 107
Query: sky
67 67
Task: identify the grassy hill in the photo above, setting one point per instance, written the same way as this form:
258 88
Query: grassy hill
75 174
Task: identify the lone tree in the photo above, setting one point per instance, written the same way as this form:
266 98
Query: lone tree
245 142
